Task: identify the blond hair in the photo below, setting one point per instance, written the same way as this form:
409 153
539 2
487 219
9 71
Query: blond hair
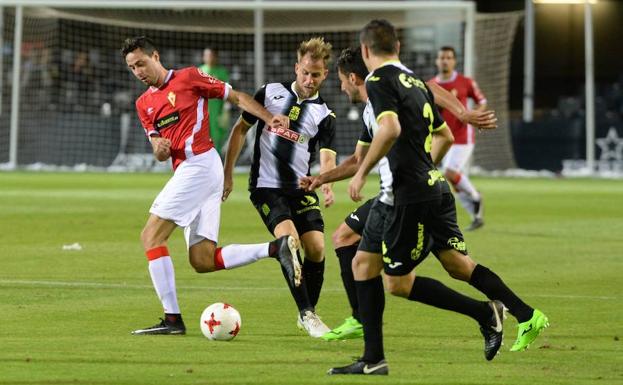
317 48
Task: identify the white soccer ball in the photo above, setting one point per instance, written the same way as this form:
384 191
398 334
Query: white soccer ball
220 322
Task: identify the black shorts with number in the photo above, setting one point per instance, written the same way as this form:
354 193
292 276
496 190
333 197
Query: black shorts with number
414 230
276 205
357 219
372 237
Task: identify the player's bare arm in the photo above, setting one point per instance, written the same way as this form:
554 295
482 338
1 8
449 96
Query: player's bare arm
478 117
250 105
161 148
327 163
236 142
442 141
344 170
388 132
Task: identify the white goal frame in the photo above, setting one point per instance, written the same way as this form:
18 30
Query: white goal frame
468 8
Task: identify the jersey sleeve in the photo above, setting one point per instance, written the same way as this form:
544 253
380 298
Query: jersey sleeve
475 92
259 97
144 119
364 137
383 95
207 86
326 132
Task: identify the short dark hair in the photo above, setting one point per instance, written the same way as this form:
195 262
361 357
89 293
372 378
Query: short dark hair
380 36
350 60
448 48
143 43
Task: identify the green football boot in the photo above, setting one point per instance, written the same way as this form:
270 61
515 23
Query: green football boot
529 330
350 329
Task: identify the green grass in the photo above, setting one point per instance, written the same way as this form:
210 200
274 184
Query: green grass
67 314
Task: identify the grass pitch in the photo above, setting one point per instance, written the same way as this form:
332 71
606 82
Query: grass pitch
67 314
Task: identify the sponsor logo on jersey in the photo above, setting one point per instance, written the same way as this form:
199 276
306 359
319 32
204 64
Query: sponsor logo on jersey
410 81
288 134
167 121
374 79
171 97
277 97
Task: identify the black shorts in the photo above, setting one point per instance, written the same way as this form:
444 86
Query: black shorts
276 205
372 237
357 219
414 230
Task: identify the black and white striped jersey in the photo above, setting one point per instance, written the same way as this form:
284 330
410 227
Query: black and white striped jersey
282 156
367 133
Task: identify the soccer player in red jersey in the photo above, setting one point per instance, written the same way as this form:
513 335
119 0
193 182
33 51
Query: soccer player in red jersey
457 157
174 113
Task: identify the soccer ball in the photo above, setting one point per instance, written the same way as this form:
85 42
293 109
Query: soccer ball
220 322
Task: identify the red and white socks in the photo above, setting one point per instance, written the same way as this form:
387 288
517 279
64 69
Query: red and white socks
163 278
232 256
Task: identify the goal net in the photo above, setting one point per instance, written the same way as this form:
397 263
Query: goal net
76 99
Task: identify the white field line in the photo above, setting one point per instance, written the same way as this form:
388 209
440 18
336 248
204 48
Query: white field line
102 285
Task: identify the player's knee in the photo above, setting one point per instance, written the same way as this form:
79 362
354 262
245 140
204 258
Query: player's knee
461 268
314 252
343 236
397 287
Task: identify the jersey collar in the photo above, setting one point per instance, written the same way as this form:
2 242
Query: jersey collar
439 80
396 63
298 99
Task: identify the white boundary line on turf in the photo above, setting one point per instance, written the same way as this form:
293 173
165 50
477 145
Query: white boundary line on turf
102 285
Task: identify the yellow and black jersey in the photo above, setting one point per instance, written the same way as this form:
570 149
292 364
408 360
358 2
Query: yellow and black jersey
394 89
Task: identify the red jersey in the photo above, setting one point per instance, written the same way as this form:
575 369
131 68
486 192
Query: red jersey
178 111
462 87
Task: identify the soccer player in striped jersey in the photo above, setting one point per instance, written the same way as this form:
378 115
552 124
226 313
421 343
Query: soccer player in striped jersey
174 114
282 156
455 162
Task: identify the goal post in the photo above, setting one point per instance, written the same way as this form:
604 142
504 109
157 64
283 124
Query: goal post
75 98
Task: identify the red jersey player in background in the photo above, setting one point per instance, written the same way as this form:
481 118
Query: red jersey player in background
174 113
455 161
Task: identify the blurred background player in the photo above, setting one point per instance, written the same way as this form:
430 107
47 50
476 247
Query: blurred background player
456 160
174 114
281 157
218 109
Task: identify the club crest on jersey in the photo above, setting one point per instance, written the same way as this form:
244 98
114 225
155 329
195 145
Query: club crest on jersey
288 134
295 111
171 97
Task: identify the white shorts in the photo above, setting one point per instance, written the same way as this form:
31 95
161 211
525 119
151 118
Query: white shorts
192 197
457 157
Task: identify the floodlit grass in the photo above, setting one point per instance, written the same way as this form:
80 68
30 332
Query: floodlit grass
67 314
